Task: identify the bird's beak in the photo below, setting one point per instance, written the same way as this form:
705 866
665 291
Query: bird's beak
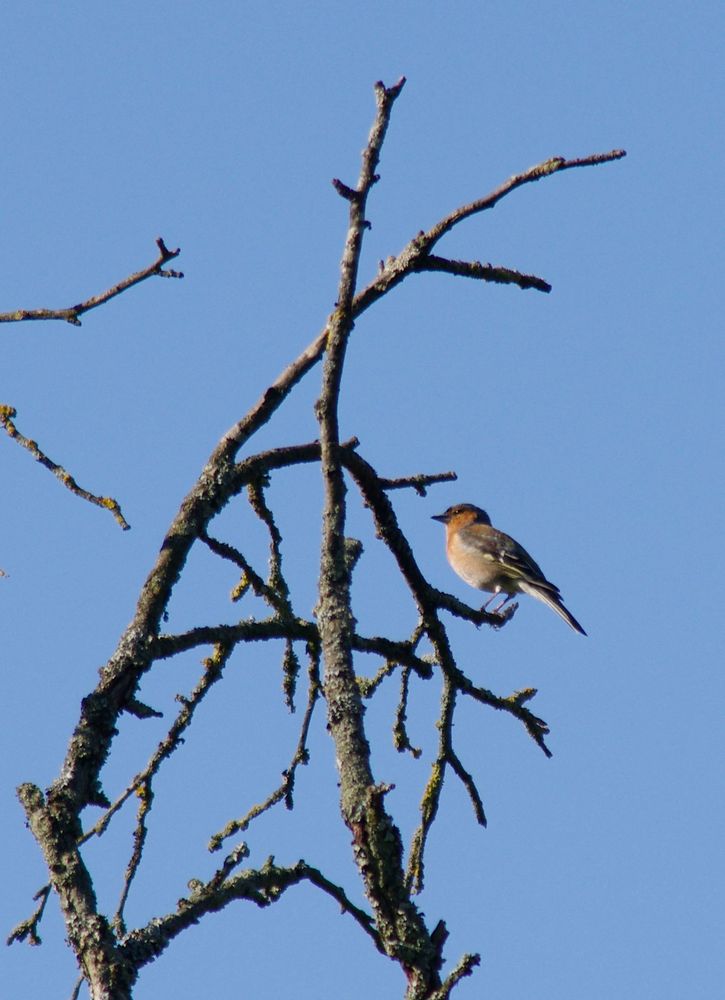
439 517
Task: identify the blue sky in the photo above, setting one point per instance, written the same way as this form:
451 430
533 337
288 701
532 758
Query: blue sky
587 422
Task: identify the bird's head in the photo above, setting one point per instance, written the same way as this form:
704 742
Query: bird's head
462 514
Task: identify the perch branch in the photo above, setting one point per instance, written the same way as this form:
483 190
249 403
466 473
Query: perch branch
429 601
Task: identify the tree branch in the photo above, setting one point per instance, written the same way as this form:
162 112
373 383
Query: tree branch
378 847
401 740
546 169
213 669
482 272
7 413
398 929
262 886
28 928
413 256
410 260
419 483
72 314
285 790
57 832
464 968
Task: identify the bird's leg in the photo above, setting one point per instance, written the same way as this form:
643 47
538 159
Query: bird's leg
498 607
493 597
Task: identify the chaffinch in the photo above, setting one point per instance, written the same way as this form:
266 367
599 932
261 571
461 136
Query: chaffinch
488 559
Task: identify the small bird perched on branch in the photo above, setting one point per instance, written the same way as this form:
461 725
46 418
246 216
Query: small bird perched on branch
488 559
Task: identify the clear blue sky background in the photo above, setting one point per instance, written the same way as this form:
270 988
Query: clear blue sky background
588 422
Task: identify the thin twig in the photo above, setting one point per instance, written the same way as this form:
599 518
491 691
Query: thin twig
72 314
145 796
482 272
249 578
469 784
364 919
213 668
464 968
513 704
401 740
369 685
553 165
401 652
7 413
165 646
417 251
28 928
76 992
277 585
285 790
432 794
262 886
419 482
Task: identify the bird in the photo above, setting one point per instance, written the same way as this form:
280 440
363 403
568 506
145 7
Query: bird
490 560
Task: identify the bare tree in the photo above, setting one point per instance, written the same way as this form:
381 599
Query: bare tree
111 955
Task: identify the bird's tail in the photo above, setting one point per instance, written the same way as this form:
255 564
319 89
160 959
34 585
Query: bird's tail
552 599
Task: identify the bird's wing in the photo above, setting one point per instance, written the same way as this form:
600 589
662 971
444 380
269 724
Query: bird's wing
517 559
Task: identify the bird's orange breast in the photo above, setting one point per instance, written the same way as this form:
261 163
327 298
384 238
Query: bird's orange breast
474 565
